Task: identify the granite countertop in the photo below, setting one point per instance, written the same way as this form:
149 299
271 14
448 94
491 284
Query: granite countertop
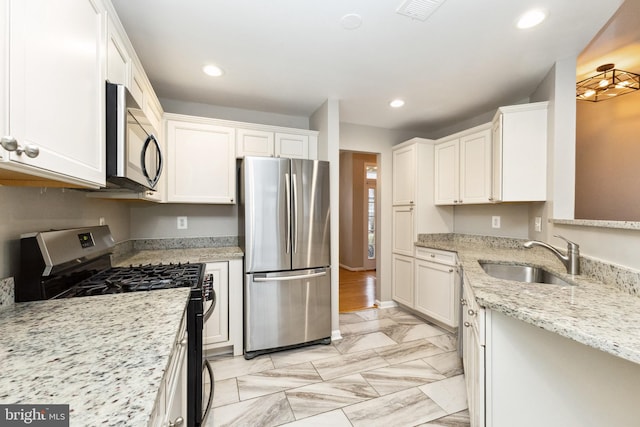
593 313
103 355
155 256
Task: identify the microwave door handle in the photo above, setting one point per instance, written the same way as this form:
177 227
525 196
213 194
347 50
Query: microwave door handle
143 154
159 162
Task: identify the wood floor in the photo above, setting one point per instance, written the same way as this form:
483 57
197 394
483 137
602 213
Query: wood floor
357 290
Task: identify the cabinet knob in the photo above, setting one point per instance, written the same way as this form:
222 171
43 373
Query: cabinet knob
463 301
184 342
433 255
451 270
467 324
9 143
471 312
178 422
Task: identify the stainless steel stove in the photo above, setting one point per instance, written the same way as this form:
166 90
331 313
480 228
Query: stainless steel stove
77 263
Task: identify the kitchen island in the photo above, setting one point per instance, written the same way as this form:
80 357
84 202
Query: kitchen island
105 356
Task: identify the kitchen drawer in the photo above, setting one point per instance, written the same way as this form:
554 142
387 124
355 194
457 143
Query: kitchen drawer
435 255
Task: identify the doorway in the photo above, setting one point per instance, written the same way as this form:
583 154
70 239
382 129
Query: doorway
358 219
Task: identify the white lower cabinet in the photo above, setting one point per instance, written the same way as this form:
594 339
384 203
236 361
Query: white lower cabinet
437 285
473 356
216 327
171 403
402 277
223 328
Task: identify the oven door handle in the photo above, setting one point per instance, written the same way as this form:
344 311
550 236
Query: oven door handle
209 369
212 307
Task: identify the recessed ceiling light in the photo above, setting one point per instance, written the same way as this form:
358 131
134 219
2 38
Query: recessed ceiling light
531 19
351 21
396 103
212 70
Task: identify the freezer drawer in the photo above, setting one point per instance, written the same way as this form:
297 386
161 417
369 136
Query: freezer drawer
286 308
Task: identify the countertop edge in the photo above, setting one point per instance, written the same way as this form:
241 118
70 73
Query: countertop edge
563 320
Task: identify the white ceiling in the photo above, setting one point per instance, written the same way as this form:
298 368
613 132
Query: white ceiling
289 56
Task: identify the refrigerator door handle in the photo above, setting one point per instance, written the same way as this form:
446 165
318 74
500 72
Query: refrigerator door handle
285 278
288 195
295 214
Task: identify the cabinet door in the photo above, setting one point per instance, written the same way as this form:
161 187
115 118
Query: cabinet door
447 173
175 384
524 152
137 84
118 59
201 163
436 292
402 279
216 327
250 142
475 167
60 113
403 230
496 163
404 175
291 146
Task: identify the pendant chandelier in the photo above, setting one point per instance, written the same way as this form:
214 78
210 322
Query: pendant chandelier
608 83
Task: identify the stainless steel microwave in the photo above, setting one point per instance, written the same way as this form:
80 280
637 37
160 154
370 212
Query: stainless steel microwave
134 157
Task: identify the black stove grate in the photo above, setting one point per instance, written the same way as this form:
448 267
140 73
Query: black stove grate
138 278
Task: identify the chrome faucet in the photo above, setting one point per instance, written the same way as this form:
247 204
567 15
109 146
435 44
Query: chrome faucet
571 260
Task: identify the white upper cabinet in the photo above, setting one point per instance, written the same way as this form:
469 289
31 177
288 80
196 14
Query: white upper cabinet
118 58
404 175
200 161
519 136
463 168
447 173
254 142
292 146
56 90
270 141
475 167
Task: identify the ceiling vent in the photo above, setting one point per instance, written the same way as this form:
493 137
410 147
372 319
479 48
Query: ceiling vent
419 9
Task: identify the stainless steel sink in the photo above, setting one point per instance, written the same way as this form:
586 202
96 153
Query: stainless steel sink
521 273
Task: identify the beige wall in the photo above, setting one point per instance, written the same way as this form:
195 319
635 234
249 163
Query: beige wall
25 210
608 159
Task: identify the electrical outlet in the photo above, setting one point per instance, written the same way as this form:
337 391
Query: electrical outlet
182 223
538 223
101 220
495 222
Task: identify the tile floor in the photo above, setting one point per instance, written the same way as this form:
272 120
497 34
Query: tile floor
390 369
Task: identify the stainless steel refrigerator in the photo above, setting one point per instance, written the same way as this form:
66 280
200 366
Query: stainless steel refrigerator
284 221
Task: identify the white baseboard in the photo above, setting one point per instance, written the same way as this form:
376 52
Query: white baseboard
346 267
386 304
335 335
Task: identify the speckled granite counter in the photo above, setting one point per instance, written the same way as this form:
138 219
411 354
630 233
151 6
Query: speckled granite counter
180 255
593 313
105 355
